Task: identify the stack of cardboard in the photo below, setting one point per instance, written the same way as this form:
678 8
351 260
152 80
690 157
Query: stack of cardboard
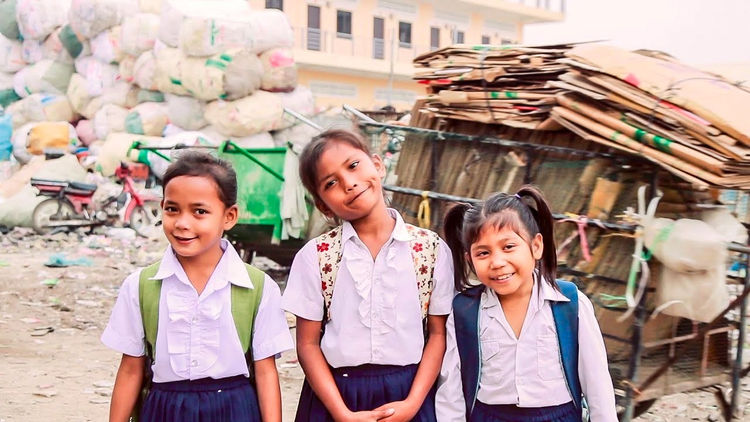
505 85
692 123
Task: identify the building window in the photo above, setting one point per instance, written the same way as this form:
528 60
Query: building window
275 4
459 39
343 24
404 34
485 40
434 38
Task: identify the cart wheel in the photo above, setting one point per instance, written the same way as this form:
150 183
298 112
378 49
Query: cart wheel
45 210
640 408
146 218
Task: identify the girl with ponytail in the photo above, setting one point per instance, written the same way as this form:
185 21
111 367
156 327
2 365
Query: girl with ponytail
521 346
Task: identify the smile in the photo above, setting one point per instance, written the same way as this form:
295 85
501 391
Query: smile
502 277
184 239
357 197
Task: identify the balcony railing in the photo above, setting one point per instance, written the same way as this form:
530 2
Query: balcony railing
551 5
356 45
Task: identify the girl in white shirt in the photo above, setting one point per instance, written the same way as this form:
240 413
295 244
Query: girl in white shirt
371 363
199 369
519 349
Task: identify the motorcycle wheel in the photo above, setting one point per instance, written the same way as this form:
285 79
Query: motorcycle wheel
40 219
146 218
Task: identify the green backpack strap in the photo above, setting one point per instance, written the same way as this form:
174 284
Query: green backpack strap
245 304
149 293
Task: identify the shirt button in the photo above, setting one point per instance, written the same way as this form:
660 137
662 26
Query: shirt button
375 315
376 352
519 381
194 363
195 320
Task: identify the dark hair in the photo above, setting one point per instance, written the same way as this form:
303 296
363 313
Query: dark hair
464 222
195 163
308 159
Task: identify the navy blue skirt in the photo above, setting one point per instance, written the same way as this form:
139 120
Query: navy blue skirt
512 413
205 400
364 388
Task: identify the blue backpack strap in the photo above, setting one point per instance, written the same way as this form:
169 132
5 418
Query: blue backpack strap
566 322
466 316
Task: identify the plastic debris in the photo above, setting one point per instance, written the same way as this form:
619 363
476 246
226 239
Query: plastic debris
60 261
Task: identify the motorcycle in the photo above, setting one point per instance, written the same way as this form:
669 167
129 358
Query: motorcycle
71 205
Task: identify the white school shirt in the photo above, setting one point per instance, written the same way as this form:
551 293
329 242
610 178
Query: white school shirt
375 310
197 337
527 372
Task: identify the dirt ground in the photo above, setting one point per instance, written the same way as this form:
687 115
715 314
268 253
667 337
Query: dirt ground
53 367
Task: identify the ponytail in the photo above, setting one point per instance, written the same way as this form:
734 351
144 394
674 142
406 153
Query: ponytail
543 216
453 227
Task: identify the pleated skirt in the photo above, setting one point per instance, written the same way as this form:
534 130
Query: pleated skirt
205 400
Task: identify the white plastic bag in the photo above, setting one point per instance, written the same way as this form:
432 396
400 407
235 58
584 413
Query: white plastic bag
107 46
231 75
144 71
174 13
260 112
257 31
38 18
279 70
88 18
693 278
46 76
139 33
40 108
11 55
186 112
98 75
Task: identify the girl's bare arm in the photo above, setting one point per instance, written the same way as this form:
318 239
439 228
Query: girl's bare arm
127 388
268 389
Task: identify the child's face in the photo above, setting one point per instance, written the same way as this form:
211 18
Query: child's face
504 261
349 182
194 217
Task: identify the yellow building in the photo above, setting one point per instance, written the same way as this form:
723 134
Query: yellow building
360 52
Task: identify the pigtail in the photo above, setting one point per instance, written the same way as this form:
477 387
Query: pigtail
453 227
543 216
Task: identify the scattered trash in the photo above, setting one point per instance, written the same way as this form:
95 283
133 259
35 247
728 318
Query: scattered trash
99 401
45 393
122 233
42 331
44 386
89 303
50 282
60 261
4 264
29 320
75 276
62 308
103 384
288 365
106 392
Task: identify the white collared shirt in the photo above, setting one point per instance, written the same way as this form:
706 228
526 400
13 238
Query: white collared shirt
527 371
375 310
197 337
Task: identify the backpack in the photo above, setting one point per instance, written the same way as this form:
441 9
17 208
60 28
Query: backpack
245 303
466 308
424 247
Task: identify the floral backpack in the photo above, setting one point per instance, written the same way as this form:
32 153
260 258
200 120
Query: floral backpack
424 246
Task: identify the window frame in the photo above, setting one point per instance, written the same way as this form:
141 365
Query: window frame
339 14
402 43
281 3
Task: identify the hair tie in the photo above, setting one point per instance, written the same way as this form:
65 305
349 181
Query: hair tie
518 196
